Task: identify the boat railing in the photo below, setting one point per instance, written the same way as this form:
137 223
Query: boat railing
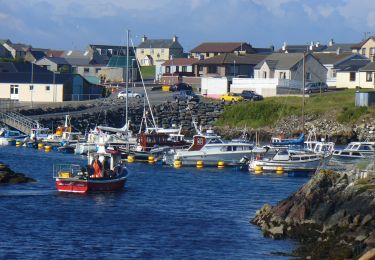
66 170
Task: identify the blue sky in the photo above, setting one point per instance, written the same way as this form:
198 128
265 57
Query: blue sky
72 24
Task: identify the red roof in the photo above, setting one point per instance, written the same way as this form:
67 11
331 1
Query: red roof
223 47
54 53
180 62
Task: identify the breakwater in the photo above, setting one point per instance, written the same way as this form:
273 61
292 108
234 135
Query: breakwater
8 176
332 216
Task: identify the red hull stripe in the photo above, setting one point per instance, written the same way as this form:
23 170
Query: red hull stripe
81 186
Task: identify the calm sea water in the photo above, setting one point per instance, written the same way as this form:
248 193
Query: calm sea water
163 213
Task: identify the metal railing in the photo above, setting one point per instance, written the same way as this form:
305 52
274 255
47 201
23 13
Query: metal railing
66 170
18 121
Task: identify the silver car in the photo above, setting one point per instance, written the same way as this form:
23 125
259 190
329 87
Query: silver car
131 94
316 87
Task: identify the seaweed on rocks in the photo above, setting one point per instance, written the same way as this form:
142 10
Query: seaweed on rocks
10 177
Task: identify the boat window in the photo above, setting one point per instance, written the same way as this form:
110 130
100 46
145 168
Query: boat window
283 152
355 147
215 141
356 154
345 153
365 148
229 148
234 148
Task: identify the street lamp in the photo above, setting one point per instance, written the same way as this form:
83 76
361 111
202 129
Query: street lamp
234 68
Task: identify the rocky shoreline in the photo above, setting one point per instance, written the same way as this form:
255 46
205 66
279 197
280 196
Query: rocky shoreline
332 216
7 176
112 113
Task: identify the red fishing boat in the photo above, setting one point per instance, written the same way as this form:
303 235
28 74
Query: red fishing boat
106 172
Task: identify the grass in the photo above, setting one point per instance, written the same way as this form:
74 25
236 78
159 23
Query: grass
337 104
148 72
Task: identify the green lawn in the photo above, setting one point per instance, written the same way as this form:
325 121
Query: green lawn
337 104
148 72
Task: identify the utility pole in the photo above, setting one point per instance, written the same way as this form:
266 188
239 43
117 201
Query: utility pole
303 90
127 77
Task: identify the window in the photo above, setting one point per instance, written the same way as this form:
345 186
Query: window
212 69
363 51
48 88
333 73
14 89
31 87
372 51
86 70
215 53
162 51
308 76
368 76
142 51
168 69
207 54
97 70
177 68
265 74
352 76
184 69
282 75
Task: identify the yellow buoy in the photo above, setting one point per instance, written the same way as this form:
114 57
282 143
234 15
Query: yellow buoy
18 144
40 146
258 169
47 148
279 170
131 158
151 159
220 164
200 164
177 164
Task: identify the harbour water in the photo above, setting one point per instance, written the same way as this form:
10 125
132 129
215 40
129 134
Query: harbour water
163 213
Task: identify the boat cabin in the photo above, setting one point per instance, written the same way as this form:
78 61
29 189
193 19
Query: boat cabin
39 133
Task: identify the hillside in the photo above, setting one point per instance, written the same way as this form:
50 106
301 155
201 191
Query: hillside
337 105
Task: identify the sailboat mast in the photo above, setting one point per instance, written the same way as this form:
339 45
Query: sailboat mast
303 90
127 77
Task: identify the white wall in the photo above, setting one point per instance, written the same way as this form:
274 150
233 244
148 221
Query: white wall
214 87
38 94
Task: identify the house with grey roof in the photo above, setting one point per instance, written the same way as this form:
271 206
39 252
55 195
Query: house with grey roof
105 52
366 48
34 54
301 48
17 50
331 61
151 51
367 75
338 48
282 73
55 64
27 82
348 72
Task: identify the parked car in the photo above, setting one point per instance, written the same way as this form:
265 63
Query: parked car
316 87
231 97
131 94
251 95
186 95
180 86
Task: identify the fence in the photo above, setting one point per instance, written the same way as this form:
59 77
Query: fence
81 97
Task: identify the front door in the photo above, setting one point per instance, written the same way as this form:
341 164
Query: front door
14 92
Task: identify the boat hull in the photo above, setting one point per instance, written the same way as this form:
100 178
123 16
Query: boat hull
269 165
191 158
92 185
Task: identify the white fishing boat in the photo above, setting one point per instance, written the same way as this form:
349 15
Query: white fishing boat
355 150
211 149
8 137
321 147
289 160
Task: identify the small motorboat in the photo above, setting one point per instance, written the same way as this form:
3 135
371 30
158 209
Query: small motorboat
8 137
290 160
356 150
66 148
77 179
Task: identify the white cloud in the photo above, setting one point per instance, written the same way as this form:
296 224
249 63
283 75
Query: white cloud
274 6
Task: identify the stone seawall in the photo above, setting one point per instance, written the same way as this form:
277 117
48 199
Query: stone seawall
332 216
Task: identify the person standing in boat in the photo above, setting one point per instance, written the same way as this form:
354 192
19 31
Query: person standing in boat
97 166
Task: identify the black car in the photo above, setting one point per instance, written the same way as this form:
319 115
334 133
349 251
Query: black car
186 95
251 95
180 87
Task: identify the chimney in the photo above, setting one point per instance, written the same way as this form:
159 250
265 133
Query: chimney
284 46
311 46
317 44
144 38
175 38
331 42
338 51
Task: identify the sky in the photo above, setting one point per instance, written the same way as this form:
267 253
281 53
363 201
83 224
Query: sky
73 24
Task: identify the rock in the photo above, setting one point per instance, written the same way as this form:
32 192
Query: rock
366 220
369 255
276 232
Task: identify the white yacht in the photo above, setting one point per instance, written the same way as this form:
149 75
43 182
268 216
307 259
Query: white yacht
211 149
356 150
290 160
